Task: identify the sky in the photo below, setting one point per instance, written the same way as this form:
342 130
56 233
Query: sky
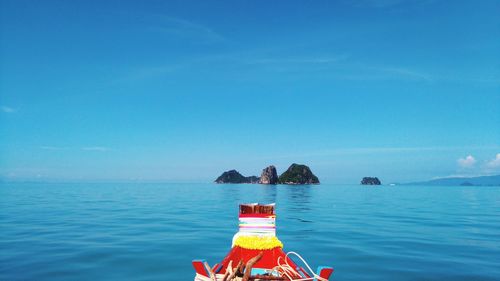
181 91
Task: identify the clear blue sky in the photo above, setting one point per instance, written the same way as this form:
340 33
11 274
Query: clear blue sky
184 90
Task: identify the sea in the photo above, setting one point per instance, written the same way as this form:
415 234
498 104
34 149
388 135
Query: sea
152 231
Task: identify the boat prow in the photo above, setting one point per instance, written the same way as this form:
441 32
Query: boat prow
257 254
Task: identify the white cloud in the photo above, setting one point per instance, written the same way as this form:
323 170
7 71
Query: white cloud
494 163
467 162
7 109
95 148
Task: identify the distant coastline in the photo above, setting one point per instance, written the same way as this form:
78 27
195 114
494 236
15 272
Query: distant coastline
461 181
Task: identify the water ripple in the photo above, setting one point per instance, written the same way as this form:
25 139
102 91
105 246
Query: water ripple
153 231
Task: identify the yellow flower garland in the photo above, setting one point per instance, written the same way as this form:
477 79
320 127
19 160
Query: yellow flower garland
258 242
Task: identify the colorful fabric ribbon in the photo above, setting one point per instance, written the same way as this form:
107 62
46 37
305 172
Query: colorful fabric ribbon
258 225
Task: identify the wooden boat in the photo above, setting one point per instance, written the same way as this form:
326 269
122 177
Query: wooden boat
257 254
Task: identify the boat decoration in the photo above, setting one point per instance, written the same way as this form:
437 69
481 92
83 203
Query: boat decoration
257 254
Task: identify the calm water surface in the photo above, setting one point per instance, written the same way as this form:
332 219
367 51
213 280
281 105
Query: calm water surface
153 231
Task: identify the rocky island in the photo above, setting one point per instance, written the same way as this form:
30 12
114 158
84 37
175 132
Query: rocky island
370 181
234 176
269 176
298 174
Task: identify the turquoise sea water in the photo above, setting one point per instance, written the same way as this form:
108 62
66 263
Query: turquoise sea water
153 231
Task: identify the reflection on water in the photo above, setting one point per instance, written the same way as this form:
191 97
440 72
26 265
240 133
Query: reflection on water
299 197
269 194
298 204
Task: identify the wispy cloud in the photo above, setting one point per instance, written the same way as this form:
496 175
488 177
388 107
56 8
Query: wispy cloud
48 147
372 72
467 162
307 60
95 148
343 67
374 3
179 27
409 73
382 150
7 109
85 148
176 29
384 3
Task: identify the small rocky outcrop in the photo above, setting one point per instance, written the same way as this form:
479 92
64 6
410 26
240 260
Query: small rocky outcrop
466 183
269 176
253 179
234 176
298 174
370 181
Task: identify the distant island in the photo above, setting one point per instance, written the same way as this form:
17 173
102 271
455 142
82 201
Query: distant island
462 181
370 181
298 174
234 176
295 174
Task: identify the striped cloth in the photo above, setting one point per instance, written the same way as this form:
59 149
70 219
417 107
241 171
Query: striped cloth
257 224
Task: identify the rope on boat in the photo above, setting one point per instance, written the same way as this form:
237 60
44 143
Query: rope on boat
200 277
288 270
282 270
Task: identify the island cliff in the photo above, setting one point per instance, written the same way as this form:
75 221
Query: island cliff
370 181
234 176
298 174
269 176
